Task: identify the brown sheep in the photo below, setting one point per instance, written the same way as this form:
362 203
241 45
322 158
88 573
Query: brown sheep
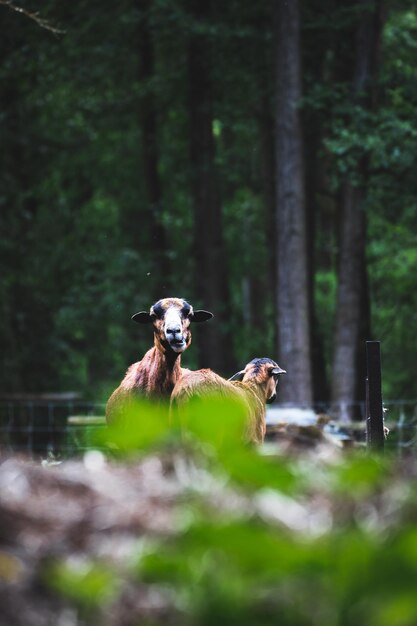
255 386
155 376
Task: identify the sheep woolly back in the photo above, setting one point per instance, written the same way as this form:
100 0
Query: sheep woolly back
252 392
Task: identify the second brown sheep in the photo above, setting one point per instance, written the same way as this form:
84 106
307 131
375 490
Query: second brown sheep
255 386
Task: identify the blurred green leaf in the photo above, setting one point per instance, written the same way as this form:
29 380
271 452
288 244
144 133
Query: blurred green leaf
139 426
86 583
215 420
363 474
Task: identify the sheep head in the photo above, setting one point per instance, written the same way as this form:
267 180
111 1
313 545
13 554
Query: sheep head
171 318
264 372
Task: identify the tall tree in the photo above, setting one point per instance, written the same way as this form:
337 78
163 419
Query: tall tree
150 154
293 307
352 314
209 254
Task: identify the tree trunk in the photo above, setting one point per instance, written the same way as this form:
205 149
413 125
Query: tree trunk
313 137
352 313
160 271
268 172
293 309
348 312
209 257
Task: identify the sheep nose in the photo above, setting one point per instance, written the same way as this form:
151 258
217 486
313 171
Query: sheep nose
174 330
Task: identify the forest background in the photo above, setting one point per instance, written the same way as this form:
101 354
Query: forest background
255 158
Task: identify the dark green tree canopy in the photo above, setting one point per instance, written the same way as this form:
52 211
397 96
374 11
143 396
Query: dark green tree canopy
138 162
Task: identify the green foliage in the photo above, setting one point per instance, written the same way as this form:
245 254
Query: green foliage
87 584
80 255
214 426
246 232
143 426
264 539
394 297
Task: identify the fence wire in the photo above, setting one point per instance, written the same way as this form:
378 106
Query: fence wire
39 428
65 429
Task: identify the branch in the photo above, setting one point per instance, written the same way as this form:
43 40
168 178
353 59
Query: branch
33 16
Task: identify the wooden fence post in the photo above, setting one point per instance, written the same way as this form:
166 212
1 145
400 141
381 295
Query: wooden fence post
374 411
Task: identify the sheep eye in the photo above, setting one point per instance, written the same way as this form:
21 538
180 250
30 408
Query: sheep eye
158 313
185 311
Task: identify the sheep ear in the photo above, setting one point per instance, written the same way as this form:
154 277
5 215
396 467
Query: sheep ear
277 370
142 317
238 375
201 316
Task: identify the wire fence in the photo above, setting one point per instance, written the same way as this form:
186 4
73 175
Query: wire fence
42 428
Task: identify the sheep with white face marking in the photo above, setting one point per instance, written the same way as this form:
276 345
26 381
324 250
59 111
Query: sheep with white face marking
155 376
255 385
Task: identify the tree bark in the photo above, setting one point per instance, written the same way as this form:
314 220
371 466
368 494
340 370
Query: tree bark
268 172
321 388
293 309
209 255
352 313
348 313
160 270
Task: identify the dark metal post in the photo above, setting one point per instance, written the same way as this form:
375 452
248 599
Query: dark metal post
374 412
